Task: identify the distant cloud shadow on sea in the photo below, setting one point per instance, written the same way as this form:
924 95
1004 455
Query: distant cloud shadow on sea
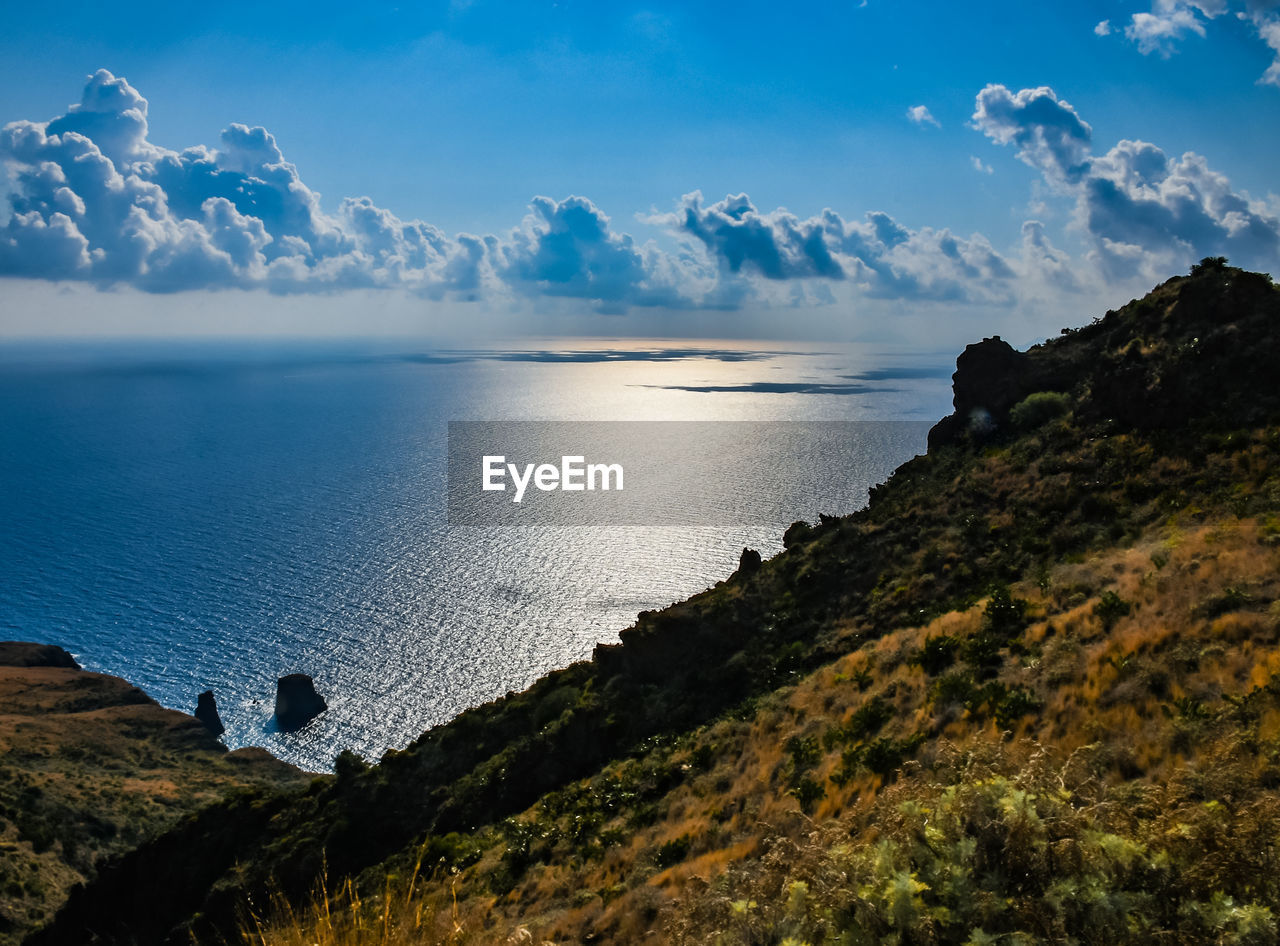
901 374
774 387
595 356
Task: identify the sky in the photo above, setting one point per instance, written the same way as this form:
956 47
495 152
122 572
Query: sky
916 172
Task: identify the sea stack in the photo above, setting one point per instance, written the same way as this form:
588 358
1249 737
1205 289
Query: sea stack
207 713
297 702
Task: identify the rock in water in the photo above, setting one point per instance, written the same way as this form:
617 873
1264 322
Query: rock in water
297 702
207 713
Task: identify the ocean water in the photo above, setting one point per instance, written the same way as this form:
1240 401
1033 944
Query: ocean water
211 516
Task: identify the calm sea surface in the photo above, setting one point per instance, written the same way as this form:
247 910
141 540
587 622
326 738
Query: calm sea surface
213 516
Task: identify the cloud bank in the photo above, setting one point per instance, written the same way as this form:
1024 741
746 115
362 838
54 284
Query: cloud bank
882 258
93 199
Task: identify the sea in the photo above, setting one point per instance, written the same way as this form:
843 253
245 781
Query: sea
213 515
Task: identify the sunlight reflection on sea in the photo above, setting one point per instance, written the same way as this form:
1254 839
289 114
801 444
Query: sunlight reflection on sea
195 517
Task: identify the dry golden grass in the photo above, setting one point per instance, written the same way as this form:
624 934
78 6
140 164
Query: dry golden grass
89 767
1137 687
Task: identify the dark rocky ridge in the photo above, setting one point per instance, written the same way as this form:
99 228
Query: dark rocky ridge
24 654
1195 350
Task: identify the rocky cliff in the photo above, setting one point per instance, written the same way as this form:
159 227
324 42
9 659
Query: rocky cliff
90 766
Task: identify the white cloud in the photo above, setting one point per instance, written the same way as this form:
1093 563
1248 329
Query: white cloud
1142 210
1103 28
93 200
1050 136
121 209
921 116
567 248
128 212
1268 24
1171 21
879 257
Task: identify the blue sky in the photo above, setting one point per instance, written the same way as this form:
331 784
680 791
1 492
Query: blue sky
528 164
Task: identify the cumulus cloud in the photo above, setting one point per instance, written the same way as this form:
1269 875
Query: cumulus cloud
921 116
1103 28
777 245
1142 209
1267 20
567 248
1047 262
979 165
880 257
1048 133
1171 21
95 199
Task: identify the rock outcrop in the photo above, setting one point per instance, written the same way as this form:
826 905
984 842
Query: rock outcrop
990 378
297 702
23 654
207 713
1199 348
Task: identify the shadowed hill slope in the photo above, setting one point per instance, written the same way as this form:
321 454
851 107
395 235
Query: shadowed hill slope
89 767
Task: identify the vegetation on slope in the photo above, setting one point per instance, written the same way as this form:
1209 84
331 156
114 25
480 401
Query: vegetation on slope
1025 661
90 766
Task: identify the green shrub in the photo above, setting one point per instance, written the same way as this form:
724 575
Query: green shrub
672 852
1004 615
805 753
937 654
348 765
1209 265
797 533
866 721
1012 705
1111 608
1230 599
1018 853
808 793
953 688
982 651
1036 410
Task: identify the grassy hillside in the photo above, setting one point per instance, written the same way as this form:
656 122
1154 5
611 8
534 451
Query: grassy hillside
1027 693
90 766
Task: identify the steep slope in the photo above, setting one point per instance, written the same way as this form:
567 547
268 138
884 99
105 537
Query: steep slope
91 766
717 728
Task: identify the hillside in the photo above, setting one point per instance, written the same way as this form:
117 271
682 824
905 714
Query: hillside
1026 693
90 766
